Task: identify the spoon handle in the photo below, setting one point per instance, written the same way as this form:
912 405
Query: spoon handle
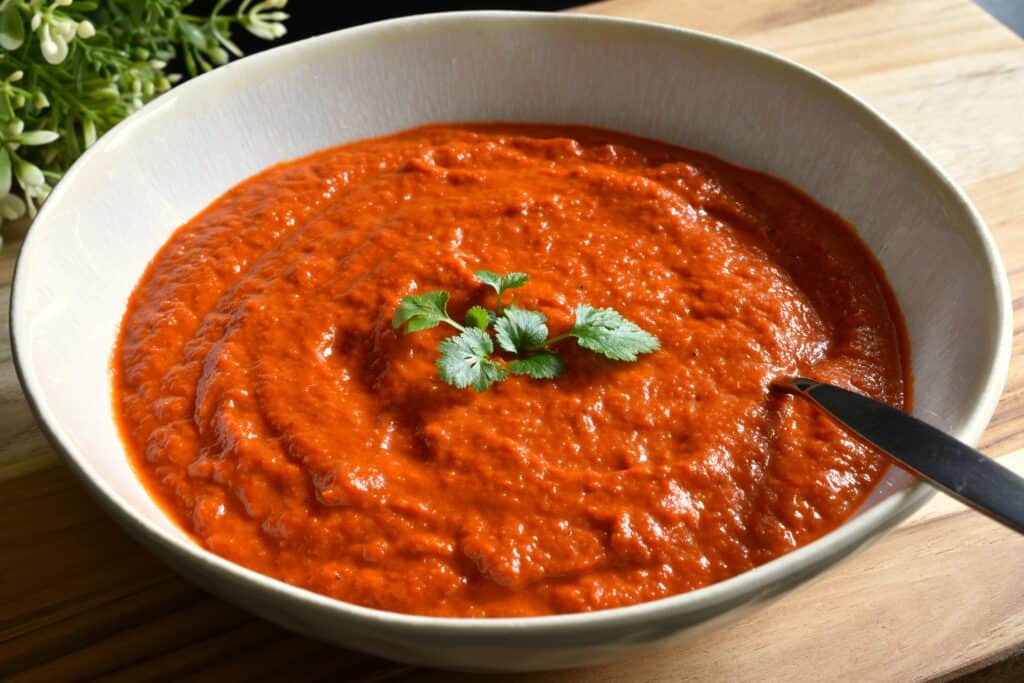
954 467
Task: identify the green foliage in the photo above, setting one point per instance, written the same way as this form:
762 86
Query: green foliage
70 70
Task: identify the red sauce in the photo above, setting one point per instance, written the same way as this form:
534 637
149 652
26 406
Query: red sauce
271 409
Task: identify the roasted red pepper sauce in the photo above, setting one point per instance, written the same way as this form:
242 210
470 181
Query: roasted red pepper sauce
269 406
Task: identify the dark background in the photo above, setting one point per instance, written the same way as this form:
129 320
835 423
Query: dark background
313 17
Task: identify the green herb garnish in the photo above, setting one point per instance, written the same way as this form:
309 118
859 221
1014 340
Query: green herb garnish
467 359
499 283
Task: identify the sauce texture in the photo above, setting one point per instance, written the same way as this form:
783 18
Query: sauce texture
270 408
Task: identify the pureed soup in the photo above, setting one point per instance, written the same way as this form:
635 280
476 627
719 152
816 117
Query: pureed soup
274 412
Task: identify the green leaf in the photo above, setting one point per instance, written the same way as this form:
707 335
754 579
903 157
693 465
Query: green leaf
604 331
192 34
6 112
137 9
12 28
465 361
499 283
518 329
5 172
478 317
421 311
539 365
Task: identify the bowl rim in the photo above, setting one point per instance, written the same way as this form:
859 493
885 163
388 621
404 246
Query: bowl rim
757 581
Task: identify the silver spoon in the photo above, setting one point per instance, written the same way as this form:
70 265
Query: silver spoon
954 467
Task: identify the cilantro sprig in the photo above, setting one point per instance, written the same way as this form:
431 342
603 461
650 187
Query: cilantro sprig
468 359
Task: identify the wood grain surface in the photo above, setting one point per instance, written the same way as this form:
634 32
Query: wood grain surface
938 598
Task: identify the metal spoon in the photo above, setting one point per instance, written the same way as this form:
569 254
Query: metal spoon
954 467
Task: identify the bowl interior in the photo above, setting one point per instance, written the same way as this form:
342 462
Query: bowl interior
120 203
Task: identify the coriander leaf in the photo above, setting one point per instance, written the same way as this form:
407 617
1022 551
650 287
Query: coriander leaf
421 311
518 329
490 278
465 361
478 317
539 365
514 280
605 331
501 282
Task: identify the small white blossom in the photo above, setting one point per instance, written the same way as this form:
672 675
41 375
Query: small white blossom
218 55
36 137
64 28
86 29
34 195
88 132
263 23
12 207
53 47
28 175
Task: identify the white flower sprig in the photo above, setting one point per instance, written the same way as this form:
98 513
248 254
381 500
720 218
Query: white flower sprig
72 69
56 29
264 19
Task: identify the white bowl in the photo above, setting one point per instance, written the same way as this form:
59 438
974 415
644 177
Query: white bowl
123 199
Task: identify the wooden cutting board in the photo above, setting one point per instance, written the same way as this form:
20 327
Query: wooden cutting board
941 596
